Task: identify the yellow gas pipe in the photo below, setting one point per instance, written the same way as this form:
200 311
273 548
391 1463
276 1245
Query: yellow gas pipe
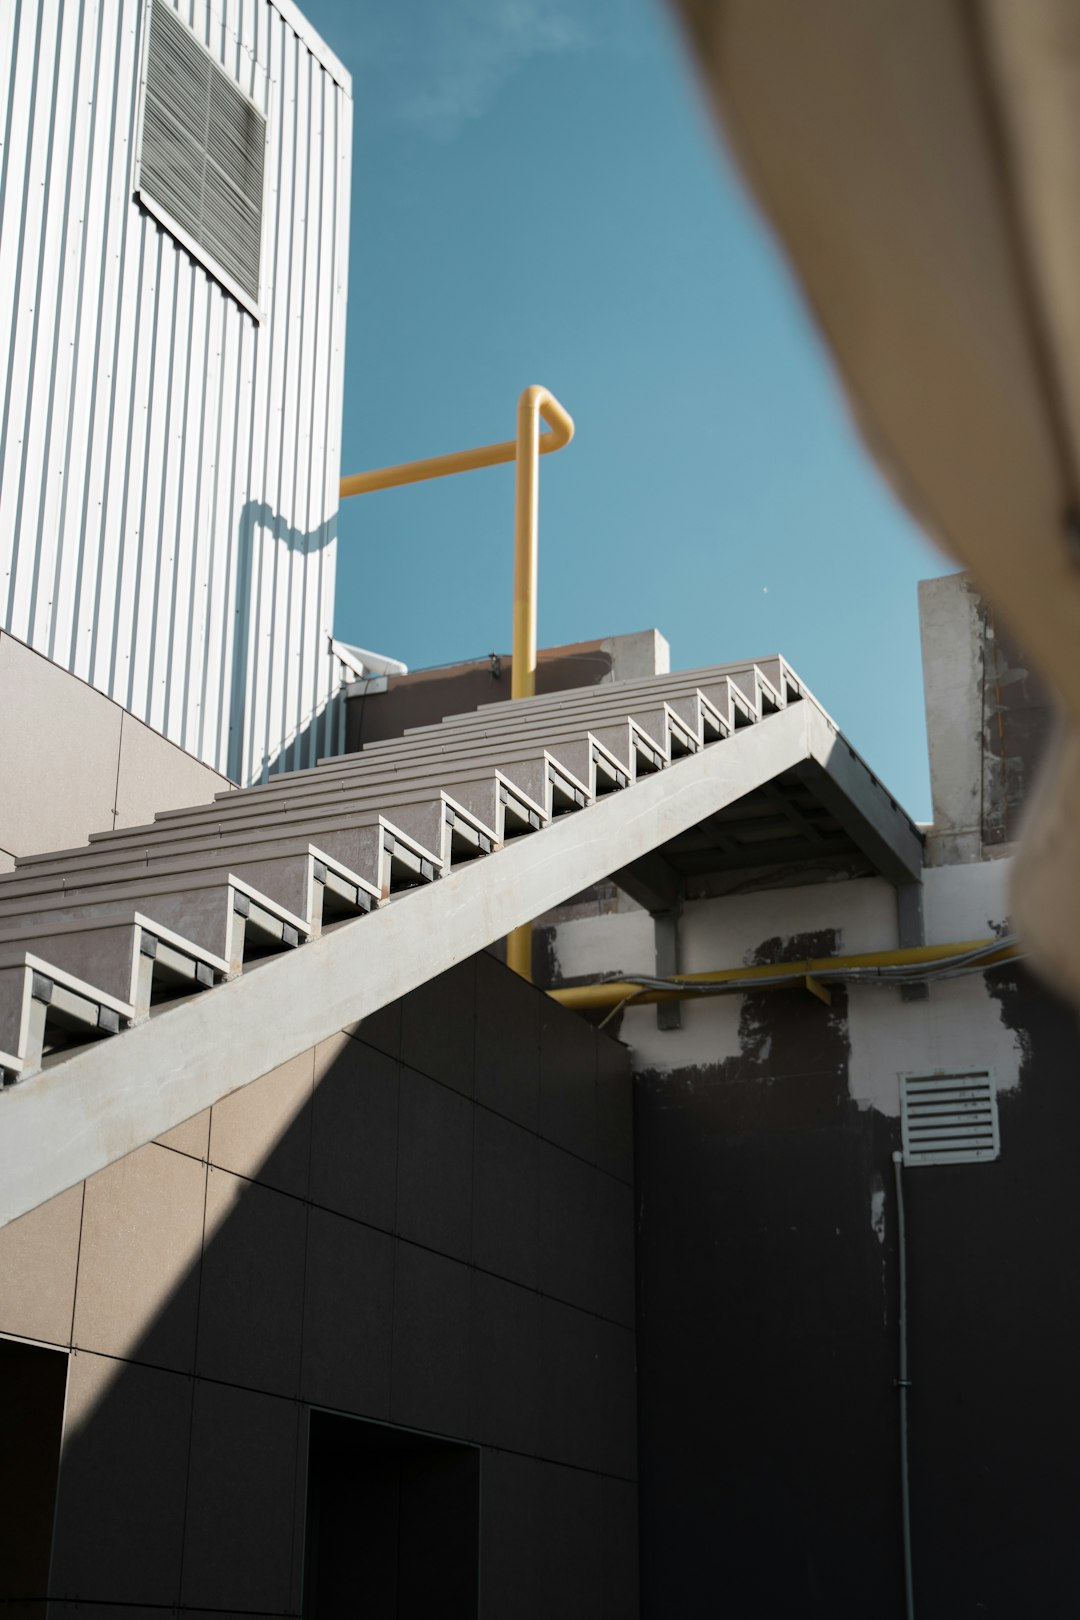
525 450
610 992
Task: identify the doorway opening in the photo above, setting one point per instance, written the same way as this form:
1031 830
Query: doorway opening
32 1384
393 1523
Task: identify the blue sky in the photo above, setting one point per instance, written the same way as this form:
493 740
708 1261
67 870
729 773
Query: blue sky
539 196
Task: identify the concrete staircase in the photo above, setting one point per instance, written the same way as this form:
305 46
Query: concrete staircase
148 974
92 939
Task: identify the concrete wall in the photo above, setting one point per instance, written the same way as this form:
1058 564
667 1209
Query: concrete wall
76 763
990 719
426 1221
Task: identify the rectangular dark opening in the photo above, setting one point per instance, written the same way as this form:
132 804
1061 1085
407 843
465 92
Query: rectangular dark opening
32 1384
393 1523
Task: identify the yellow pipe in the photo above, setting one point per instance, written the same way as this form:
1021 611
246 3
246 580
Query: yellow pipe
526 449
459 461
532 404
592 997
519 951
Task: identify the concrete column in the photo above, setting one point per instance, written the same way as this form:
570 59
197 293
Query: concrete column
952 671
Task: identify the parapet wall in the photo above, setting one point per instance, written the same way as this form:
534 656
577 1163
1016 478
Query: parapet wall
75 762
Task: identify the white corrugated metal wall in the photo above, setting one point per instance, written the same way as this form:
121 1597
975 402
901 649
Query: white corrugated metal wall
168 465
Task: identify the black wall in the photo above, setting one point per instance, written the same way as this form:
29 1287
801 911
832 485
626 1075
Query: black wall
442 1241
767 1336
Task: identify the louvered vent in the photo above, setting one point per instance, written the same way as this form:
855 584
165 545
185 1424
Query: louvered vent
201 160
949 1118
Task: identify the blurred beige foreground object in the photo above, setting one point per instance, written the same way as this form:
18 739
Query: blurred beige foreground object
1046 878
920 162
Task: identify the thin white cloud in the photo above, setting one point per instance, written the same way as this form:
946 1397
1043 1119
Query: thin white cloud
469 49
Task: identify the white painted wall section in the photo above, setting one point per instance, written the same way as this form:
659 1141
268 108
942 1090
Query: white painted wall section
960 1025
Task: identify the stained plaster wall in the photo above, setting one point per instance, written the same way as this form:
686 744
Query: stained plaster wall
427 1221
884 1035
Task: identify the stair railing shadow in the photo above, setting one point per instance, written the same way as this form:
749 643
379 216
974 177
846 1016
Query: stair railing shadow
263 538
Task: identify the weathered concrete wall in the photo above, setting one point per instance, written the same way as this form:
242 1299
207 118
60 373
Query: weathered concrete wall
952 679
989 718
76 763
426 1221
1019 720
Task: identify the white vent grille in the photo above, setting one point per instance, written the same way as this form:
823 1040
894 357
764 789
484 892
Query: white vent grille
201 157
949 1118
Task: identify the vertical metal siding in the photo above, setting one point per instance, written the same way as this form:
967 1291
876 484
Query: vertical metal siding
168 465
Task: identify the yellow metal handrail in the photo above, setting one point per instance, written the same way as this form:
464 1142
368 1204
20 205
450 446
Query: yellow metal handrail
525 450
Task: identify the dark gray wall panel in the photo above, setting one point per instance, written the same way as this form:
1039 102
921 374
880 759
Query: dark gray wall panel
348 1316
568 1384
238 1546
613 1294
614 1110
251 1306
504 1364
568 1196
447 1270
568 1111
431 1342
509 1526
507 1043
437 1032
435 1168
568 1512
119 1526
506 1199
619 1520
354 1139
